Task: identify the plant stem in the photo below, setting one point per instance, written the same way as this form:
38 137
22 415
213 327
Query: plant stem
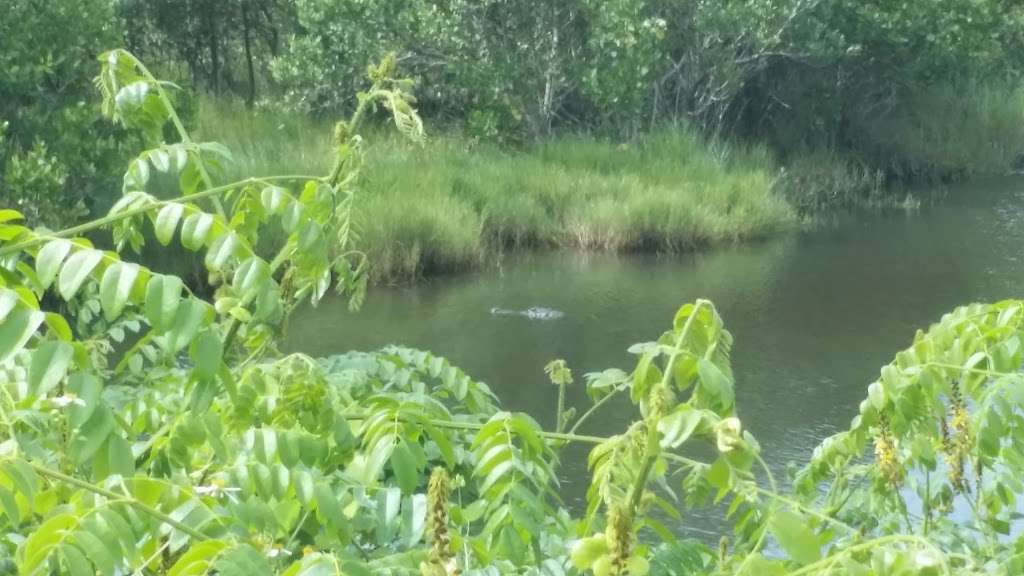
473 426
154 556
134 503
653 445
178 125
593 409
560 420
927 500
768 473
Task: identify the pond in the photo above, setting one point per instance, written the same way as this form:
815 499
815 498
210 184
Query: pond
814 315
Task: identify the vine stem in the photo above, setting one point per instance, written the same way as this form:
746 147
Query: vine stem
110 219
473 426
653 447
134 503
593 409
560 419
771 511
154 556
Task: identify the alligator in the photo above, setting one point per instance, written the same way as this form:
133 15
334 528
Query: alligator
533 313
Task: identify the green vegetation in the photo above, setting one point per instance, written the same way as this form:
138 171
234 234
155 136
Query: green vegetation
58 160
451 203
658 125
150 425
148 430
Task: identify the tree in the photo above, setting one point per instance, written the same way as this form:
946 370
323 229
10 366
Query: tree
56 159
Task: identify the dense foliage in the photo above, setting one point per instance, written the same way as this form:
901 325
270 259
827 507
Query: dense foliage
150 430
887 81
57 157
801 73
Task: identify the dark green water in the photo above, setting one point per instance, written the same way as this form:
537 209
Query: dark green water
814 314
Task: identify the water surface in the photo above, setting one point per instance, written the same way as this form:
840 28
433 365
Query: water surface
814 315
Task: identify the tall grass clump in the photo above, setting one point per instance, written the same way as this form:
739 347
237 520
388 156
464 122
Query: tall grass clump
817 180
452 203
265 141
947 132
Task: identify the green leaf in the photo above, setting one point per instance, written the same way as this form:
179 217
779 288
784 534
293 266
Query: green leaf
42 540
414 518
49 365
160 160
87 388
190 316
8 301
196 230
293 214
24 479
16 329
120 527
191 178
403 462
444 445
163 297
265 444
242 560
96 551
389 503
676 427
223 248
116 287
138 172
49 259
76 270
10 507
8 215
198 559
876 393
59 326
75 561
715 383
88 439
273 199
167 222
207 354
303 486
344 440
251 275
795 537
328 506
119 455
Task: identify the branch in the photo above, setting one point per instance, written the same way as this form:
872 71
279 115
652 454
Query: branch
110 219
141 507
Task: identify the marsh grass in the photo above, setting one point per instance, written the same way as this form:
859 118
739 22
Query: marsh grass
452 204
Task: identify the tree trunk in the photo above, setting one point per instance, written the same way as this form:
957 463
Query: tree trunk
247 42
272 42
214 46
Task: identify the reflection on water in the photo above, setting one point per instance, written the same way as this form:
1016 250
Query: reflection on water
814 315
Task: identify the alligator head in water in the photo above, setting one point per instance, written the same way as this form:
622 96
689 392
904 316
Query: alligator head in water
533 313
